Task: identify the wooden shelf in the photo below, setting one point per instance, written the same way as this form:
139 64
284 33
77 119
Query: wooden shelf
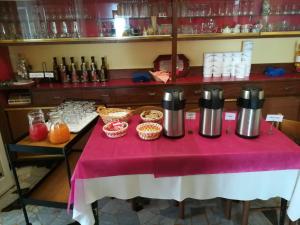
238 35
87 40
27 142
148 38
280 34
55 187
217 36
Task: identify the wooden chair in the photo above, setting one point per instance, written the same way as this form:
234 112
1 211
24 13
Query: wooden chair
292 129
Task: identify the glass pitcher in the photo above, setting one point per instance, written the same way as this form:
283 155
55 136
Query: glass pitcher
38 130
59 131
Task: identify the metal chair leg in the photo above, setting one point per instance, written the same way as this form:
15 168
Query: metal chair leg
228 206
181 210
293 222
245 216
95 212
283 207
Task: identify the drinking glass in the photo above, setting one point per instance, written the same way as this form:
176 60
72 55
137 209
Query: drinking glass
53 29
64 29
75 30
2 32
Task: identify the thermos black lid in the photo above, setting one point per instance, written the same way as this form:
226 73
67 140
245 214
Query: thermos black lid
173 99
252 97
212 92
250 92
212 97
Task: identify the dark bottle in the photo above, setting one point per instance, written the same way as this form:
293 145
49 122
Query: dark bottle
64 71
84 71
94 71
103 71
74 74
56 71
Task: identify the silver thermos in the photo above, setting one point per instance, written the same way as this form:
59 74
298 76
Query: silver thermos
250 104
173 104
211 106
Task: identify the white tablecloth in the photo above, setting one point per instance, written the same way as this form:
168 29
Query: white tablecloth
238 186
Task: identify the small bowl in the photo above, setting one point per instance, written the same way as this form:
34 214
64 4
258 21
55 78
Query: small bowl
153 116
149 130
115 133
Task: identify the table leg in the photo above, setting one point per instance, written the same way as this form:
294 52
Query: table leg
283 206
20 195
245 216
68 166
228 206
181 210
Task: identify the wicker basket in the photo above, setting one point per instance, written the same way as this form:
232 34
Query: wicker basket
149 131
114 114
115 133
153 116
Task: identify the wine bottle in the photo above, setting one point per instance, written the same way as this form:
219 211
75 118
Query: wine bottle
56 71
94 71
103 71
64 71
84 71
74 74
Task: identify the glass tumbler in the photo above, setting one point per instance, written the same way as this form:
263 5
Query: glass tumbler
38 130
59 131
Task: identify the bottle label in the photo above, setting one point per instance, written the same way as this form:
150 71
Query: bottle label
75 78
94 76
85 76
102 76
64 77
297 59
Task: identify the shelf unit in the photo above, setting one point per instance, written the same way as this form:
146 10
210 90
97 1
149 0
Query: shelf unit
95 17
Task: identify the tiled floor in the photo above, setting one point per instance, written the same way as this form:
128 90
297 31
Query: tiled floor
119 212
158 212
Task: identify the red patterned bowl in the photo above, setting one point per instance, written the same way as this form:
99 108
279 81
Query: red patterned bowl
149 130
114 131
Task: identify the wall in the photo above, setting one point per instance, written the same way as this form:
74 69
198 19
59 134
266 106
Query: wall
142 54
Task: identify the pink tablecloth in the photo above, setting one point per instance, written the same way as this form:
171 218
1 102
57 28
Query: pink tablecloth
192 154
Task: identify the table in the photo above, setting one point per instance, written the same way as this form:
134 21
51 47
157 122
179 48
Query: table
190 167
53 189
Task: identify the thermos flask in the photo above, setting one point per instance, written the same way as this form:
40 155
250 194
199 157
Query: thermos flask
250 104
211 107
173 104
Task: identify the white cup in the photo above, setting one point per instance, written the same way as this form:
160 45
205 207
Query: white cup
240 71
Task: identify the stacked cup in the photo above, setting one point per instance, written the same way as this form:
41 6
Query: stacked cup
236 70
247 48
217 64
208 64
227 64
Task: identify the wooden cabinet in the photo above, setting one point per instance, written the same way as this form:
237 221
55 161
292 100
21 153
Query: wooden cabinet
282 96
